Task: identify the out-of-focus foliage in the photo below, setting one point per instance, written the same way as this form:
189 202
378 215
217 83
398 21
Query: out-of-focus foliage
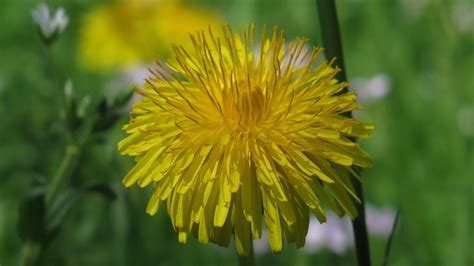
422 146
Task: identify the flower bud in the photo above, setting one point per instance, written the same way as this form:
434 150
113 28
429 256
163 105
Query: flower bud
49 25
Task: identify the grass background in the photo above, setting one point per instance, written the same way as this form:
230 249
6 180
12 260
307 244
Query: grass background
422 147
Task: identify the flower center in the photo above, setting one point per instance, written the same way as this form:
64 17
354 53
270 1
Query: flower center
244 113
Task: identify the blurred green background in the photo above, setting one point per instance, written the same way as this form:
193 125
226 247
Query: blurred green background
422 146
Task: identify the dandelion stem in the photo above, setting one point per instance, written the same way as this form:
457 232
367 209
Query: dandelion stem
248 260
332 44
333 49
359 228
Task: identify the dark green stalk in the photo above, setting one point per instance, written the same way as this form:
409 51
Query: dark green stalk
331 36
333 49
359 228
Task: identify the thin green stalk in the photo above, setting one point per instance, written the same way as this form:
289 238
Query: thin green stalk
54 71
248 260
68 162
62 173
333 49
388 248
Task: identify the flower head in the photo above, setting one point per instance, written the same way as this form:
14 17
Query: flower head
230 138
50 25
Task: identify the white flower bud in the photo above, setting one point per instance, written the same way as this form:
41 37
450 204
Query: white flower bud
49 25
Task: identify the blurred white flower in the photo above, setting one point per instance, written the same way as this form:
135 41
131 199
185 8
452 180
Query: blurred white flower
50 25
336 234
414 8
463 16
126 77
260 246
134 75
301 60
379 220
372 89
138 74
1 84
465 120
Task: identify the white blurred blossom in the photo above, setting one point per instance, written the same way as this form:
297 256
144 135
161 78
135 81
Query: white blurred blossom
138 74
414 8
132 75
336 234
465 120
50 24
372 89
379 220
463 16
260 246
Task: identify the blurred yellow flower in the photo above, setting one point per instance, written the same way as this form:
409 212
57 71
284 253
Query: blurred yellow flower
233 133
129 32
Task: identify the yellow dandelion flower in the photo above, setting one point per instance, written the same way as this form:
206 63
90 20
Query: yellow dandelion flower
230 136
129 32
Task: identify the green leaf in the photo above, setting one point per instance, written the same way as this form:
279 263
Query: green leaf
60 208
65 202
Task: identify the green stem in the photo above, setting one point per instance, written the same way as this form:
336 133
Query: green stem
333 49
359 227
62 173
329 25
48 50
248 260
